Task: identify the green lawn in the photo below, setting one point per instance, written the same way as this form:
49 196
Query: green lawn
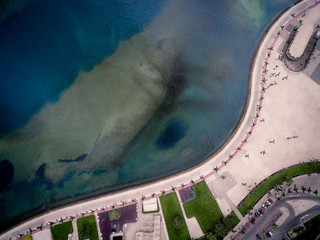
27 238
278 178
113 214
204 207
313 229
61 231
87 228
171 208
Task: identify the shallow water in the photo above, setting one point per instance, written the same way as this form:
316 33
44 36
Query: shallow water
102 95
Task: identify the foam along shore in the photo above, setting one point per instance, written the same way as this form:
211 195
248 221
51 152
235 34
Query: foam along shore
284 116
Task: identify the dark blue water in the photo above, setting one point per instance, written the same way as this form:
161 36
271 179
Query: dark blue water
44 45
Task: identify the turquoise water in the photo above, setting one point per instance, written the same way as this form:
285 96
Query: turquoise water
45 45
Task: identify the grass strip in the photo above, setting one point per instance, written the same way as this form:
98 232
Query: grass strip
171 208
204 207
276 179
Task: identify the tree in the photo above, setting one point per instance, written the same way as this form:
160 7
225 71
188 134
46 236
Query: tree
133 200
163 192
143 198
84 232
220 230
173 188
316 192
289 190
288 180
309 190
51 224
303 189
211 236
177 222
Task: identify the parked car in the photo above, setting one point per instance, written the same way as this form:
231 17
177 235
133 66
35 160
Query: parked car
264 206
247 224
261 211
257 214
270 200
259 237
269 234
268 203
244 229
253 220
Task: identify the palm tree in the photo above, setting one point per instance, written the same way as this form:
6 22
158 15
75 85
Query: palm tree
182 185
309 190
143 198
173 188
293 14
123 203
113 206
282 27
163 192
202 177
318 26
30 230
192 182
133 200
295 188
61 220
225 163
216 169
289 190
51 224
230 156
316 192
153 194
303 189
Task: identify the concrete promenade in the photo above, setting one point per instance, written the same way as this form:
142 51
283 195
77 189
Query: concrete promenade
280 128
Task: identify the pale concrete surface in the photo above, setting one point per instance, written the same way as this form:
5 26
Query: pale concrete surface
145 223
42 235
290 108
301 40
301 206
283 217
75 235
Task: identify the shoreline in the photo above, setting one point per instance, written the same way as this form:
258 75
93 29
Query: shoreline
96 195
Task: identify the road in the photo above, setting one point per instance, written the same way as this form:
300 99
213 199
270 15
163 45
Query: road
264 223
